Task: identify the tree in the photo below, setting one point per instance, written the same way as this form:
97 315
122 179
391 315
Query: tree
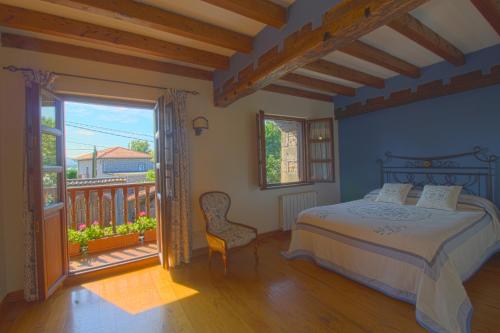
139 145
48 143
151 175
273 152
71 173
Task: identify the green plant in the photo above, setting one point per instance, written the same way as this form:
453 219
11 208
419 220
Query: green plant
94 231
144 223
127 228
74 236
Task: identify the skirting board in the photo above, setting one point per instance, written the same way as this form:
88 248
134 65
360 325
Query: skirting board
12 297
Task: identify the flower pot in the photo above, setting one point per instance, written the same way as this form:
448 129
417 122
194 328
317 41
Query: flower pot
112 243
131 239
150 235
73 249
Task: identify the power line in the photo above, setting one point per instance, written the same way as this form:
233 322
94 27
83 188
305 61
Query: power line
109 133
109 129
86 144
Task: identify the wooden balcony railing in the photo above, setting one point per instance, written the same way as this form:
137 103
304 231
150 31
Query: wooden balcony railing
109 204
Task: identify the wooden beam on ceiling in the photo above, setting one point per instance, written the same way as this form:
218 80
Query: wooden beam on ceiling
371 54
418 32
298 92
490 9
345 73
343 24
263 11
318 84
457 84
24 19
162 20
45 46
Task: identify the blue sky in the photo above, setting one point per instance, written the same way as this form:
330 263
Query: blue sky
121 121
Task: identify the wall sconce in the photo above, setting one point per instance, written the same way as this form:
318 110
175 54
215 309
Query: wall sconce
199 124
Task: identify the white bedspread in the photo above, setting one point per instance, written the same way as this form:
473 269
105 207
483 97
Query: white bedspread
418 255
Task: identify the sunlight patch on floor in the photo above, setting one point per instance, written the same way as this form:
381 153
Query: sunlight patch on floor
141 291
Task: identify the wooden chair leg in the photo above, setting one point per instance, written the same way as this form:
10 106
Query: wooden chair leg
256 253
224 258
210 252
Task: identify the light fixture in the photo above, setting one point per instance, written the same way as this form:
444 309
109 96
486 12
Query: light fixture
199 124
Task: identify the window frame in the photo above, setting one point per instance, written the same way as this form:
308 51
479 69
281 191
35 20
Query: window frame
261 138
311 141
306 144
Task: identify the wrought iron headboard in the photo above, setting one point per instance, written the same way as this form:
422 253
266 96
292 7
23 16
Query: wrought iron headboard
474 171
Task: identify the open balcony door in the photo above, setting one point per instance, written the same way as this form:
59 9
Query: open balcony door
47 186
164 173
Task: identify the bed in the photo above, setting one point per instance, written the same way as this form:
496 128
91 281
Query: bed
417 255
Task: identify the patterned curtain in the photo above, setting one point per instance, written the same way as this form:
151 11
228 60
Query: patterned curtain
44 79
179 226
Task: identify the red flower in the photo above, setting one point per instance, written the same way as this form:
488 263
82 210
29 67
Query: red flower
82 227
142 214
95 223
129 222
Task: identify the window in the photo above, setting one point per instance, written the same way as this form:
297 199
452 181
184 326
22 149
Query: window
294 151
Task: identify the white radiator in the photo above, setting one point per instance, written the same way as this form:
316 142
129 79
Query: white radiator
292 204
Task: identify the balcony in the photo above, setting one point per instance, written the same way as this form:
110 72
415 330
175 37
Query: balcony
109 221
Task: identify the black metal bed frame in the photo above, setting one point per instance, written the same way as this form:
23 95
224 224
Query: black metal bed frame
443 170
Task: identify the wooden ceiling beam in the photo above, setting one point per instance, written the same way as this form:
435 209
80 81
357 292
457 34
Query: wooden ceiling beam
345 73
24 19
418 32
437 88
490 9
67 50
343 24
318 84
162 20
298 92
381 58
263 11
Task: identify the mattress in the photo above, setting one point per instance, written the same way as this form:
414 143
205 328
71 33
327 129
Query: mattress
417 255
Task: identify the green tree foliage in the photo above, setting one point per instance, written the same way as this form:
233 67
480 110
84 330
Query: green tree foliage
151 175
71 173
49 158
139 145
48 143
273 152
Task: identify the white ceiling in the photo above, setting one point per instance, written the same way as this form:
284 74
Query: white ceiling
197 9
206 12
298 86
458 21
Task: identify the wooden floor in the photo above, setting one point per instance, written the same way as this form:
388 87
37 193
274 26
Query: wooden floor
280 296
97 260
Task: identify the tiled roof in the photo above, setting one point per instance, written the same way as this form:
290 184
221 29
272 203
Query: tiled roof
114 152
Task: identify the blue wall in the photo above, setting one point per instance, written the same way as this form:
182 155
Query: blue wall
439 126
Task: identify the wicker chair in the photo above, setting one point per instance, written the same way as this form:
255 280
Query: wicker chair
222 234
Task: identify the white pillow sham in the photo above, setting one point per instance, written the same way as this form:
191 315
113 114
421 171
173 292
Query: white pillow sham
440 197
394 193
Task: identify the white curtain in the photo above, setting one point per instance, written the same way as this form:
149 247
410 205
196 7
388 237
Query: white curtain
179 228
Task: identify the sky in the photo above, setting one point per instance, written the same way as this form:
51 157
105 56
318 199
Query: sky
104 126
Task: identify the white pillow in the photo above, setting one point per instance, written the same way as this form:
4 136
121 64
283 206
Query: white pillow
440 197
394 193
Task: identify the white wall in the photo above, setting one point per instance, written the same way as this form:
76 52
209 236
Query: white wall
222 158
